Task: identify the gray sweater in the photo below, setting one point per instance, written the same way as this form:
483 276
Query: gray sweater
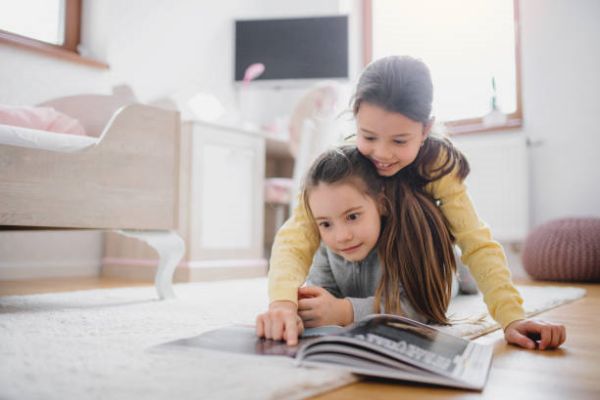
356 281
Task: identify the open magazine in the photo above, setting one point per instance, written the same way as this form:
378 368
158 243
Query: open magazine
380 345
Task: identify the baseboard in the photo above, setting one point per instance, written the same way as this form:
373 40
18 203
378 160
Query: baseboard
192 271
10 271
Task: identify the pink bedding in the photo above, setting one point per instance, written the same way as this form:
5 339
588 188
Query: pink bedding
42 118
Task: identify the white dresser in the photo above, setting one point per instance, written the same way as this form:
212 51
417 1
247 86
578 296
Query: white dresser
221 209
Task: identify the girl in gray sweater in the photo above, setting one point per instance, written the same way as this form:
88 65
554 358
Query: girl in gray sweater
348 279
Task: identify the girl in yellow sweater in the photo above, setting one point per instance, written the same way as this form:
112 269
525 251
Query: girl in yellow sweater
392 106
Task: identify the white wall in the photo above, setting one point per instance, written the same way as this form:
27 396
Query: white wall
163 48
561 102
28 78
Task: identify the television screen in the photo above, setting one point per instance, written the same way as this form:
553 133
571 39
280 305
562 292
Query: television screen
295 48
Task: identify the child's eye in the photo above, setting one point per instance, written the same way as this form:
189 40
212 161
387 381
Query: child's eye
369 138
399 141
353 216
324 225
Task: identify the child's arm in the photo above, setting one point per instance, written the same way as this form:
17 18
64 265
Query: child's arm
293 249
292 252
484 256
487 262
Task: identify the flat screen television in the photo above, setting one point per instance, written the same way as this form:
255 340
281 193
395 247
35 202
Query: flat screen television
293 48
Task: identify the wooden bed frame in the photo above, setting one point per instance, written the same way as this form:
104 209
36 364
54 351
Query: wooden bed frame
127 182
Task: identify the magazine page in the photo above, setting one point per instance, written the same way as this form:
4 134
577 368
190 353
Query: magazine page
345 352
235 339
375 369
242 339
408 342
411 341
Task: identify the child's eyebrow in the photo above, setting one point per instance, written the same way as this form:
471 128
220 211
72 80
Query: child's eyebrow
375 133
351 209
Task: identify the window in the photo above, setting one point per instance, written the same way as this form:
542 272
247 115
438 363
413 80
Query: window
471 47
37 19
48 26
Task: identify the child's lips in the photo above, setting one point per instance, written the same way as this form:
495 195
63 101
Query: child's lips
351 249
383 166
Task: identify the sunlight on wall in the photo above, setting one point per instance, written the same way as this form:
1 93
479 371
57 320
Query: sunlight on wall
466 43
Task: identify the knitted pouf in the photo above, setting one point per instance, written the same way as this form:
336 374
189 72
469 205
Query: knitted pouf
564 250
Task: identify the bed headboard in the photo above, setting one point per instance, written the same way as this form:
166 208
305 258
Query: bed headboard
93 111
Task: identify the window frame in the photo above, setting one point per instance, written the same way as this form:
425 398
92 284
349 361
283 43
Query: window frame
68 50
469 125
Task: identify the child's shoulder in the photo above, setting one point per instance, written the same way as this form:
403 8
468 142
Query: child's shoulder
442 159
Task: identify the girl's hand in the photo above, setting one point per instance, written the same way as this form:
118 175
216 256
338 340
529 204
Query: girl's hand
530 333
281 322
318 307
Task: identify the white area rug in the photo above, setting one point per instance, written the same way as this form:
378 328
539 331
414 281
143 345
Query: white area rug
96 344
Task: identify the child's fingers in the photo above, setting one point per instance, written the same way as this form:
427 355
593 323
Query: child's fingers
309 308
555 337
291 331
307 304
307 314
545 332
563 334
300 326
303 304
552 336
515 337
266 322
558 336
277 329
309 291
260 327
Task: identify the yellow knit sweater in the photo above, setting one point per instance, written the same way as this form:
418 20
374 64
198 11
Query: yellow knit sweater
298 240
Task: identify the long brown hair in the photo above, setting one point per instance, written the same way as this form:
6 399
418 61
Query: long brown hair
416 252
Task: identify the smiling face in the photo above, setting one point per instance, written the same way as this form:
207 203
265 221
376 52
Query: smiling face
389 139
349 220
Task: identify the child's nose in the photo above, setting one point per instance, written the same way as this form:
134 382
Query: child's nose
382 153
343 234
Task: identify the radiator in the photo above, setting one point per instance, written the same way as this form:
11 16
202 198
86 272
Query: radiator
499 182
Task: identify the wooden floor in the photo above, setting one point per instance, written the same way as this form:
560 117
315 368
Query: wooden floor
23 287
572 372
